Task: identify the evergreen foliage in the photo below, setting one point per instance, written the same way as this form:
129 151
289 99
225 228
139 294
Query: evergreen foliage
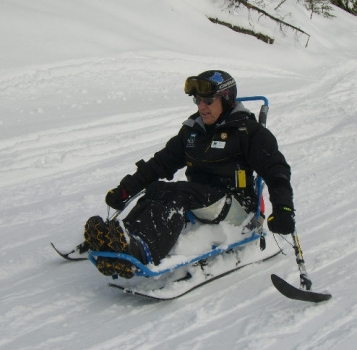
347 5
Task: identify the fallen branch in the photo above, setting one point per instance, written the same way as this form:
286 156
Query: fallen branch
279 21
259 36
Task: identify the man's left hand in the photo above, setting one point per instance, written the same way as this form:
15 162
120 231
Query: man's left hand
282 220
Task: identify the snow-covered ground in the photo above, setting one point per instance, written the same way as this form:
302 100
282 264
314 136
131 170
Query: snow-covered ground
87 88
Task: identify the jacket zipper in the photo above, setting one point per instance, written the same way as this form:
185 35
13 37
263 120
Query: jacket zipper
210 144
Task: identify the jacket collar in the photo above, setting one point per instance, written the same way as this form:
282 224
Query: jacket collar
238 113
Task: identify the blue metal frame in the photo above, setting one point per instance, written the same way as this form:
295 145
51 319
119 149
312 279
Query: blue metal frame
145 270
254 98
262 120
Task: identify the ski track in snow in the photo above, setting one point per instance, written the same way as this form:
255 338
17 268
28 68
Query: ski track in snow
78 127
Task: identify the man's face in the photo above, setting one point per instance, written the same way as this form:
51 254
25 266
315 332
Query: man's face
210 112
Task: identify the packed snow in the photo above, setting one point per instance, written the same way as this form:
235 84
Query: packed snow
87 88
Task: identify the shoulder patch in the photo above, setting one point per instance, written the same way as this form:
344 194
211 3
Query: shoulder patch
191 141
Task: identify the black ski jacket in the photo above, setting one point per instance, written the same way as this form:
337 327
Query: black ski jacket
223 155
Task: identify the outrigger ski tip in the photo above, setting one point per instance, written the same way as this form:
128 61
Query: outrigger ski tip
66 255
292 292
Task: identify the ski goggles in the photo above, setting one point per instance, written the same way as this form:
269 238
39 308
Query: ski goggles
200 86
207 100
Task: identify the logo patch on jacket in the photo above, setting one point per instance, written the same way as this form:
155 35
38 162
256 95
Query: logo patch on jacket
224 136
191 141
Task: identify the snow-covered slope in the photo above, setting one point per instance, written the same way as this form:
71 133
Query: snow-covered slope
87 88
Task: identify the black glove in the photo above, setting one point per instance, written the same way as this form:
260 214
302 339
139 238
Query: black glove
282 220
116 198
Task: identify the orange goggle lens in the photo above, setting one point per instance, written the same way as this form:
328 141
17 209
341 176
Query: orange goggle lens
199 86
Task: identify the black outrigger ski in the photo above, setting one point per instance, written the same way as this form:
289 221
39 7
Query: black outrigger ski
80 249
304 293
297 294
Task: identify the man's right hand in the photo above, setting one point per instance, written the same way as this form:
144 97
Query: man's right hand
116 198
